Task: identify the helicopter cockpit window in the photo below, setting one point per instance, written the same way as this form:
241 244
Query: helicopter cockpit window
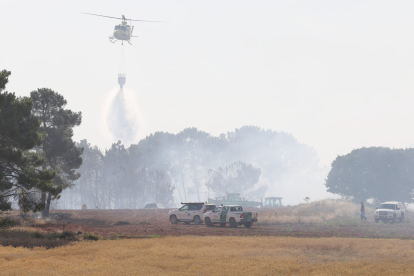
117 27
123 28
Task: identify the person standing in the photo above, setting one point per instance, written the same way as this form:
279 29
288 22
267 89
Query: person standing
363 211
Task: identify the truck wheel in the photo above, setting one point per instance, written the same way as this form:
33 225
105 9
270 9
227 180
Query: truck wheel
173 219
207 221
393 219
402 217
233 223
197 220
248 224
222 224
376 220
187 222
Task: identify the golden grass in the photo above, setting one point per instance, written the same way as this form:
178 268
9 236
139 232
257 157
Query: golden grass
315 212
216 256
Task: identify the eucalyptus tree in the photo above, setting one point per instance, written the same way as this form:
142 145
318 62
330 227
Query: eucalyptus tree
87 188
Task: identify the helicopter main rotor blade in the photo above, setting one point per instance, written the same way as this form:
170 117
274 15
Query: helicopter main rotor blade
101 15
145 20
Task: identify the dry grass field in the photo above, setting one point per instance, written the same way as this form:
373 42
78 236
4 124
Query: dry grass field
308 239
216 256
314 212
327 218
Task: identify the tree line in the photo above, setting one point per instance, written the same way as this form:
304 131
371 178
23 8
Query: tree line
191 165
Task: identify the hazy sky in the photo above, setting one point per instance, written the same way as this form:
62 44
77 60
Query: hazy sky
338 75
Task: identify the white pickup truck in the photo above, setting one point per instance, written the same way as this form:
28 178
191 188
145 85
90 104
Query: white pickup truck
190 212
391 210
232 214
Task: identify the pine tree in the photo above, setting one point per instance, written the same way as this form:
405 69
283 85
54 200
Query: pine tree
19 165
61 152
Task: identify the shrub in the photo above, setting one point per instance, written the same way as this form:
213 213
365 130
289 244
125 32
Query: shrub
91 237
122 223
38 235
67 235
7 222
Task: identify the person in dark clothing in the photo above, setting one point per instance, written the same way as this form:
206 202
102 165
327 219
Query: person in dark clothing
363 211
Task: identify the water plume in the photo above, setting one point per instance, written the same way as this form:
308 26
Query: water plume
122 118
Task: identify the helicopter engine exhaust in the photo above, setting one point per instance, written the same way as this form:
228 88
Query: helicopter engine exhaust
121 80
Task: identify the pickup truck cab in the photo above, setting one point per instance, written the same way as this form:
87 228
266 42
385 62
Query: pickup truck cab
190 212
390 211
231 214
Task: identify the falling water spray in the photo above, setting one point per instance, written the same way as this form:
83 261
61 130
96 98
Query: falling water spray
122 112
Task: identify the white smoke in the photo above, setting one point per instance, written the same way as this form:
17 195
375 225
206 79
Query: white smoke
122 119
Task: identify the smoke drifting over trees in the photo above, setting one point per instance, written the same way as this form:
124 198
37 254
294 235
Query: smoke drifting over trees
238 176
169 168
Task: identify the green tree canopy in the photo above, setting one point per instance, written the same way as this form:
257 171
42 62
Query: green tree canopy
18 135
61 152
376 172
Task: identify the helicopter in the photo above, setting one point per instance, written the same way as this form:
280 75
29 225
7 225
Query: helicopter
122 31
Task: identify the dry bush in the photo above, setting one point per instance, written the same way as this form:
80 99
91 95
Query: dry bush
30 237
315 212
216 256
6 222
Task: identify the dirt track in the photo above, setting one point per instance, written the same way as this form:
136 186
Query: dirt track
155 222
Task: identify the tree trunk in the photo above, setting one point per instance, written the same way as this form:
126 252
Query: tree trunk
195 180
48 204
43 201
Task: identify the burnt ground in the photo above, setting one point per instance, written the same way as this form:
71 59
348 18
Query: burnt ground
145 223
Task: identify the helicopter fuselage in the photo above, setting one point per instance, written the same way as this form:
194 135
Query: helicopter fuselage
122 32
